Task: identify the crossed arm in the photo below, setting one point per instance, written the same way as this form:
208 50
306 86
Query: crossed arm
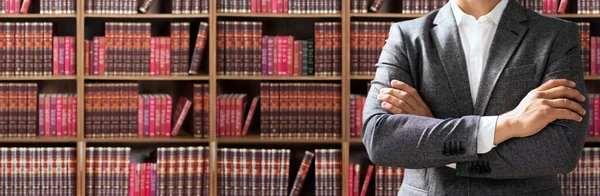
544 135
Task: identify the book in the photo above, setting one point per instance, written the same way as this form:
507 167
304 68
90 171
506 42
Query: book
250 116
146 5
302 172
365 185
183 106
199 48
263 171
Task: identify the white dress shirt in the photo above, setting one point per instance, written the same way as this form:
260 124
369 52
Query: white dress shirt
476 37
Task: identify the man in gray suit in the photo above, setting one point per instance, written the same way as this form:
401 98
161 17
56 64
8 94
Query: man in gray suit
480 97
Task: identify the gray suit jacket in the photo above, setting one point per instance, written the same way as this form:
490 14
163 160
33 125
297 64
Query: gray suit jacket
426 53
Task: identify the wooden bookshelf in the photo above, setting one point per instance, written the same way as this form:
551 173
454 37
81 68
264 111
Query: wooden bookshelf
350 83
248 15
284 78
146 16
37 78
38 16
149 78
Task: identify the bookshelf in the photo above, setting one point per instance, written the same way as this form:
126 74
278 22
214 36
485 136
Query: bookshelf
80 24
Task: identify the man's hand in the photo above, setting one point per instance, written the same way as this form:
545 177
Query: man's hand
403 99
554 100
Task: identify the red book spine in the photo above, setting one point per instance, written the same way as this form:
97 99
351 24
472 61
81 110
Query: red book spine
132 179
74 116
593 56
140 116
285 7
153 56
250 116
25 6
86 57
365 186
596 114
67 54
41 113
218 117
563 6
59 116
183 106
356 180
152 113
101 55
290 56
56 46
159 119
555 6
350 177
47 116
168 108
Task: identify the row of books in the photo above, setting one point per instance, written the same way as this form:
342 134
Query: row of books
284 56
420 6
57 115
585 38
240 51
594 123
64 56
29 49
230 115
550 6
198 125
38 171
183 171
141 178
128 49
18 110
357 103
586 7
328 172
46 6
154 114
111 109
388 180
253 171
366 44
585 179
364 6
300 109
107 170
280 6
239 48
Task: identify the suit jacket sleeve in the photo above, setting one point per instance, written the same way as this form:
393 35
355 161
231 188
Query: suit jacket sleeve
555 149
411 141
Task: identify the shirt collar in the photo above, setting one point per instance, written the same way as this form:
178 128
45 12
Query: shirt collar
495 14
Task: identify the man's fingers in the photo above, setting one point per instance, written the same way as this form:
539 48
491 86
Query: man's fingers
393 109
561 92
565 104
410 90
566 115
401 95
396 102
556 82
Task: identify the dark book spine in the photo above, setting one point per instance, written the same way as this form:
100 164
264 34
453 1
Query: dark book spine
175 48
119 53
146 5
31 110
127 65
221 47
238 56
230 54
274 109
264 109
199 49
257 48
301 175
246 49
11 29
184 49
337 49
28 42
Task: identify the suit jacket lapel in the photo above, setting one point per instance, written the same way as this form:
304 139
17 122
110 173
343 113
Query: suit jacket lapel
508 37
450 51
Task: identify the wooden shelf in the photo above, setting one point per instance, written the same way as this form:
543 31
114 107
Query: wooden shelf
385 15
364 77
149 78
260 140
408 16
245 15
147 140
355 141
40 140
592 140
146 15
286 78
38 15
25 78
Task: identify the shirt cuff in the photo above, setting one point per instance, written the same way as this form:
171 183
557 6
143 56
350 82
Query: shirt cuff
485 135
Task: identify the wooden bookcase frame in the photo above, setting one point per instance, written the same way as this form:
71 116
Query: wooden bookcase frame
345 142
